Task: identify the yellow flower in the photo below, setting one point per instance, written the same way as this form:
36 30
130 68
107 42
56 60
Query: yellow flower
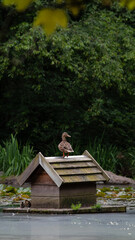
130 4
21 5
50 19
75 6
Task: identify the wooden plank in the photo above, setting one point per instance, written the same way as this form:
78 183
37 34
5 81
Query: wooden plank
78 171
38 190
45 202
72 165
95 178
86 153
67 160
70 158
72 179
83 178
87 210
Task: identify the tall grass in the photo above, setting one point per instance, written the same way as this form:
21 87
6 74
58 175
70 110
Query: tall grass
126 163
132 162
52 149
105 155
13 159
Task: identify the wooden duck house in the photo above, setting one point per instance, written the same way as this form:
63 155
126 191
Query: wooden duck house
58 182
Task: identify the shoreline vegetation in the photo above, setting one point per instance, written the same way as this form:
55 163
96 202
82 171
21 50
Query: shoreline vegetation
15 157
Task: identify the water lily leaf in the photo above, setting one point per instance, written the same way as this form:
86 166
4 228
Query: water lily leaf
25 196
10 189
50 19
20 5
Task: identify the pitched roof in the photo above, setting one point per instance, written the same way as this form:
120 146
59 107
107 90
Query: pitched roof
80 168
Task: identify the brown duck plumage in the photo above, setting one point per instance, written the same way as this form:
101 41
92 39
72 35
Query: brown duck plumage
65 146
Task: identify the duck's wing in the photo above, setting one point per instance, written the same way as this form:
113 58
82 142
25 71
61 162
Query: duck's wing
61 146
69 147
65 147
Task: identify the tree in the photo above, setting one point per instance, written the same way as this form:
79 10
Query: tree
80 79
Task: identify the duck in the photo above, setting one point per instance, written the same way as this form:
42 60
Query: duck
65 146
27 203
22 205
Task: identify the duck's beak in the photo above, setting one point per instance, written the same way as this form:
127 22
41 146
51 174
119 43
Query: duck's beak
68 135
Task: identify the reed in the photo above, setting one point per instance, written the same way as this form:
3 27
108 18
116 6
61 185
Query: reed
14 158
105 155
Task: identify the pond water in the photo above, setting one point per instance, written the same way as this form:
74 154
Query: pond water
68 227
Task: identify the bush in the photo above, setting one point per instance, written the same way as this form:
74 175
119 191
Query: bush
97 206
75 207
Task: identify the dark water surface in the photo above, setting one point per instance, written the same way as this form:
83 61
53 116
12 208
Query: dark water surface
67 227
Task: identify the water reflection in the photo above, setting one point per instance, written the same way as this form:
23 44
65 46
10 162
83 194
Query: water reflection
71 227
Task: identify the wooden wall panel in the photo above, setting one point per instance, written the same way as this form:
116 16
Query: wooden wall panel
45 202
42 190
85 193
77 189
41 177
86 201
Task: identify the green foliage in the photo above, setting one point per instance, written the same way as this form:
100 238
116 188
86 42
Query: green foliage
97 206
22 190
116 192
128 189
100 194
105 189
12 160
11 190
105 155
13 196
75 207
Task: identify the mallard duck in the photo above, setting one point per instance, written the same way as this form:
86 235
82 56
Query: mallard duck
22 205
65 146
27 203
